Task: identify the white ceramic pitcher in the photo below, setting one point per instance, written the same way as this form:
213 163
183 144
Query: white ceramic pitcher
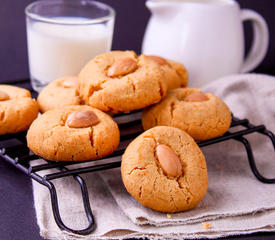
206 36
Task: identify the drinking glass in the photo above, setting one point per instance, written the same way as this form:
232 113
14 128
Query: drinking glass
63 35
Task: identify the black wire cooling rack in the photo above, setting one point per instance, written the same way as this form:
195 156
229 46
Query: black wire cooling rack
13 149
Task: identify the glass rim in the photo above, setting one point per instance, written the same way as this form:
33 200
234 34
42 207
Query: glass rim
35 16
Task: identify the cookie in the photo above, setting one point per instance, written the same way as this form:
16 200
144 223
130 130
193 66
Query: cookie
165 170
176 75
59 93
203 116
17 109
73 133
119 81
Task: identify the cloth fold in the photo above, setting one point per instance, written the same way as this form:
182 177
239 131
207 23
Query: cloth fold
236 202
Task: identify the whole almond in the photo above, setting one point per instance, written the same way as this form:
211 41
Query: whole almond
169 161
122 67
70 82
4 96
82 119
161 61
196 97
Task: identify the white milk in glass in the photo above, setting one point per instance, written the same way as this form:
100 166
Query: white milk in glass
59 50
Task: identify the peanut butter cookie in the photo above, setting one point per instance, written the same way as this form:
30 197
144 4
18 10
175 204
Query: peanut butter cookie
119 81
17 109
176 75
59 93
73 133
203 116
164 169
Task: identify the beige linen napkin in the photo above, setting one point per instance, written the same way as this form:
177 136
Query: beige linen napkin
235 203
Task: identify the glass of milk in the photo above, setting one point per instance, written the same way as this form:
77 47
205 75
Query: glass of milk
63 35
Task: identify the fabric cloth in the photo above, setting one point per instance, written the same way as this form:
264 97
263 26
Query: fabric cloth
236 202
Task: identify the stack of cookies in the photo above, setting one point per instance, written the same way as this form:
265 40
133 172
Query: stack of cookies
163 168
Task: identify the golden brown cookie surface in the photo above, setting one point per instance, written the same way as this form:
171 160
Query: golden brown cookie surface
165 170
119 81
59 93
176 75
73 133
17 109
203 116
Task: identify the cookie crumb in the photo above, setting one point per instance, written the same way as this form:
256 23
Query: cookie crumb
206 225
169 216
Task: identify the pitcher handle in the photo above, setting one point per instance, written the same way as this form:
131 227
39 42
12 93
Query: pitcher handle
259 46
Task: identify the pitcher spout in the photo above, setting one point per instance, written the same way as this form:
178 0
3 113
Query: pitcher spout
161 7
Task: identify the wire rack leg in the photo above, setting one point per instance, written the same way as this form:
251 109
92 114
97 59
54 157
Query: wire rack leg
252 163
86 203
271 136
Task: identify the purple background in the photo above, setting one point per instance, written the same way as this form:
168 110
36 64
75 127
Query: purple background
132 17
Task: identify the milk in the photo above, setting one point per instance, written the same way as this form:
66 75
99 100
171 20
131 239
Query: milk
57 50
